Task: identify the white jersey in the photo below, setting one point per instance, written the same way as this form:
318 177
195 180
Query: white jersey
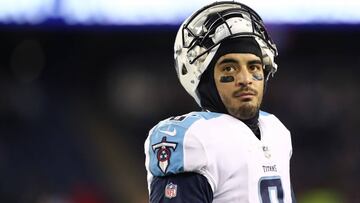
238 166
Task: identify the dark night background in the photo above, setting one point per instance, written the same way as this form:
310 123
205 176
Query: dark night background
77 102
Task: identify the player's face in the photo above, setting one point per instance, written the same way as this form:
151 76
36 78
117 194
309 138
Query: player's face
239 79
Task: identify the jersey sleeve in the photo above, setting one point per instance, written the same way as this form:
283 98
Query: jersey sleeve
180 188
171 148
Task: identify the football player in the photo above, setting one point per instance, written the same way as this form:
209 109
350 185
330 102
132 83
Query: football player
231 151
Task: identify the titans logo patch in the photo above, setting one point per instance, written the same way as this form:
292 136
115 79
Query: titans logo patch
163 153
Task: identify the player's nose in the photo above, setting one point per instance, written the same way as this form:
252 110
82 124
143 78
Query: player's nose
243 78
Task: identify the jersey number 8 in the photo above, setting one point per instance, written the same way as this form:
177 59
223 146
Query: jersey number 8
271 190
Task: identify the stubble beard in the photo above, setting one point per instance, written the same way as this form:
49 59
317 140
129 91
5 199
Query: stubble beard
245 111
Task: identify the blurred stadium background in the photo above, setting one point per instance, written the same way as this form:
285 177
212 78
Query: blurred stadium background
81 84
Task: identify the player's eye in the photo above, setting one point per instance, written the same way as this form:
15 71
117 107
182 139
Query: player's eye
228 69
254 67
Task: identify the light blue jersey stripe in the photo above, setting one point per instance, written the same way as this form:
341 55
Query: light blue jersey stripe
263 113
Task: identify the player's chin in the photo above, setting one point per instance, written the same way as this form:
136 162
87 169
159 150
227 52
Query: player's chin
245 111
247 104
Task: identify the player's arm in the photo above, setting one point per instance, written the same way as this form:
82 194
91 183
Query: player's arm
175 155
186 187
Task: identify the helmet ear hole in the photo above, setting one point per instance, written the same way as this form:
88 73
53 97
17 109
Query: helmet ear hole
184 70
267 68
268 72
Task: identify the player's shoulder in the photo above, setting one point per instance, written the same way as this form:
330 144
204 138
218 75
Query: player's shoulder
179 124
272 120
269 116
169 140
274 124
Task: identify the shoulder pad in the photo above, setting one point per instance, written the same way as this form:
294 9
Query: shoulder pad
273 119
166 143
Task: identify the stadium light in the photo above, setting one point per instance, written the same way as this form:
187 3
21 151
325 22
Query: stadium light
145 12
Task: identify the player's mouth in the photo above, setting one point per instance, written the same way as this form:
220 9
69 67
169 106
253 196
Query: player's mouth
245 96
249 94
